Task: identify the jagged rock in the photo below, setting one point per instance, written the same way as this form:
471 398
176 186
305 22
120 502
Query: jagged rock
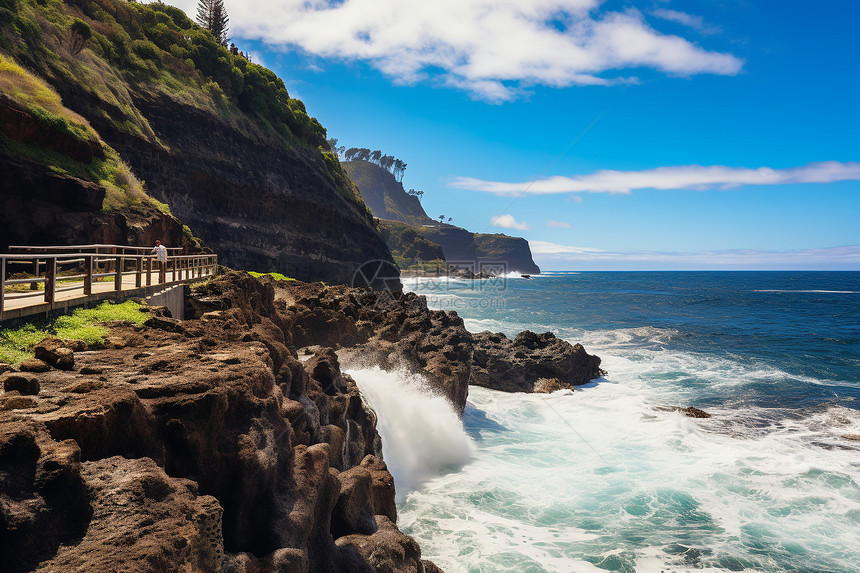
43 500
107 422
516 365
4 368
354 512
143 521
25 384
56 353
383 490
688 411
34 365
549 385
91 370
16 402
386 551
164 323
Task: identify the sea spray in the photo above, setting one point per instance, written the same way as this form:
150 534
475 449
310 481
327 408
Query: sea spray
769 483
422 435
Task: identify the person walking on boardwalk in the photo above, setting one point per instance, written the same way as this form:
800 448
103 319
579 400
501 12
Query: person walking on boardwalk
160 252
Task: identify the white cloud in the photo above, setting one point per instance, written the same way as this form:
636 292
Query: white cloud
681 177
549 248
553 224
488 47
695 22
508 222
553 256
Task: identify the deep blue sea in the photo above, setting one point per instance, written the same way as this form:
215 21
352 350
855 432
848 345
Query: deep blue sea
608 477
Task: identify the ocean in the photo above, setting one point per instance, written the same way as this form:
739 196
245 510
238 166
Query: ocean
608 477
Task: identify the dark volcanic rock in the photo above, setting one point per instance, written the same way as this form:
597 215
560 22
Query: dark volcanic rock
259 205
235 455
516 365
25 384
143 521
43 499
56 353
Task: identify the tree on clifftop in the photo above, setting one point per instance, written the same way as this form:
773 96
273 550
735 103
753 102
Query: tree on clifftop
212 15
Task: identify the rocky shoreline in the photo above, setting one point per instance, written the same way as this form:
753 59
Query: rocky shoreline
232 441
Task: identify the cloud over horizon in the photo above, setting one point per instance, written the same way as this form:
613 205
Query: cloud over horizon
490 48
696 177
556 256
508 222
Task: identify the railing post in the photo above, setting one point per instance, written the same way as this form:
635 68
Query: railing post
138 280
88 280
35 286
148 271
162 272
117 281
50 279
174 270
2 282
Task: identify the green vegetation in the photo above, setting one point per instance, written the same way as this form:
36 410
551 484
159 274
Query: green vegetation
388 162
384 194
83 324
46 108
151 47
212 16
17 344
276 276
112 54
408 247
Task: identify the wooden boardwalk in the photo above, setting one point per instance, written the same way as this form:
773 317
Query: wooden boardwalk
37 280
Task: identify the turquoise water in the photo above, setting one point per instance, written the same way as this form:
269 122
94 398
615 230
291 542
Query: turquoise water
605 478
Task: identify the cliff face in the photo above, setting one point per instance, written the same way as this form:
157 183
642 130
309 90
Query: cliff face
488 253
53 189
210 445
407 245
212 135
202 445
398 211
384 194
514 251
259 206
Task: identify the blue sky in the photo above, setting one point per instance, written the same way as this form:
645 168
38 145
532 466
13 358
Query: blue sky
612 135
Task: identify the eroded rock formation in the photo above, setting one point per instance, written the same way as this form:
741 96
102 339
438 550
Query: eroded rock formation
232 442
201 445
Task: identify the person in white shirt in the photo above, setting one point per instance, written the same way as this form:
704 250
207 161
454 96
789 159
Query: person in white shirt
160 252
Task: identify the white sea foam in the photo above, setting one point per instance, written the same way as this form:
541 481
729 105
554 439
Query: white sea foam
601 477
422 435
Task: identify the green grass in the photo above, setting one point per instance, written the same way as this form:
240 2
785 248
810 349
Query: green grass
276 276
17 345
83 324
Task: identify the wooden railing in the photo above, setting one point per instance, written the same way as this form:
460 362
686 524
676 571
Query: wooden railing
57 269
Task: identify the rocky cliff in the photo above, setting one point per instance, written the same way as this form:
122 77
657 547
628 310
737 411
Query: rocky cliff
212 135
209 445
482 252
397 211
384 194
514 251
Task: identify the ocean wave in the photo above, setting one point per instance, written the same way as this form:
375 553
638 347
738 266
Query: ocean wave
600 477
815 291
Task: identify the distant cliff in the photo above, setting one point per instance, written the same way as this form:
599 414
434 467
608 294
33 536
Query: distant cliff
397 211
213 136
408 246
384 194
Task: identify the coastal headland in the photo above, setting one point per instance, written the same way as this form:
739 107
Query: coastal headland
232 441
